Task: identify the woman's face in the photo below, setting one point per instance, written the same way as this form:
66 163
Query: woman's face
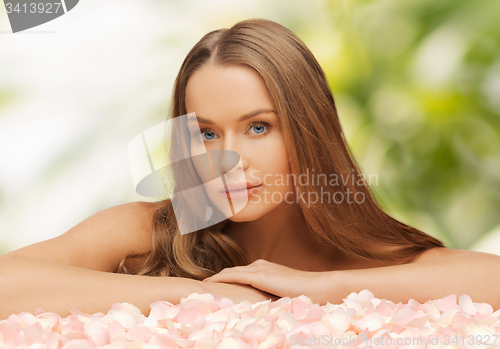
220 97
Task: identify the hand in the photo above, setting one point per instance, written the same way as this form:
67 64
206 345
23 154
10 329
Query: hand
273 278
237 292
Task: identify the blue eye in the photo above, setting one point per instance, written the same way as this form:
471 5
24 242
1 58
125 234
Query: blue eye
260 129
209 137
198 136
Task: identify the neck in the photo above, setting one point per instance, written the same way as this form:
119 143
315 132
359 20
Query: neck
282 236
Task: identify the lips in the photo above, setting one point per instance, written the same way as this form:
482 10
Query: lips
239 186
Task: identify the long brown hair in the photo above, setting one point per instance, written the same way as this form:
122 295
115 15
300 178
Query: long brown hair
315 142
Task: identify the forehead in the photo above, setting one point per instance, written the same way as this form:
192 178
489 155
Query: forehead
237 88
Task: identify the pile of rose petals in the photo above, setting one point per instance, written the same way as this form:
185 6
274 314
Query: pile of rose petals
208 321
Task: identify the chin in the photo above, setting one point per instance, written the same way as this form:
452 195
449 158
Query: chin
252 212
239 219
243 216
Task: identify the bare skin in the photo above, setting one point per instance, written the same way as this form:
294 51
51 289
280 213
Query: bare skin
78 269
72 270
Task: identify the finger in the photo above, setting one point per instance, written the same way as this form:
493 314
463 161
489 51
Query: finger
246 268
239 276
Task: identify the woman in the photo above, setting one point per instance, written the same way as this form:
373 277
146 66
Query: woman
257 90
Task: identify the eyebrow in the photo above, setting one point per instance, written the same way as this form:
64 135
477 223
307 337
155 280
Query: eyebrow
240 119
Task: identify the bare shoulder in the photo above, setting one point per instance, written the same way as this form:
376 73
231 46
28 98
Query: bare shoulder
100 241
140 236
134 220
440 252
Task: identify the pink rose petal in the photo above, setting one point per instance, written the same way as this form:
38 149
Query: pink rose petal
446 303
206 321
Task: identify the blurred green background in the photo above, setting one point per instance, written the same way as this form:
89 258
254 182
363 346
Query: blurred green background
416 83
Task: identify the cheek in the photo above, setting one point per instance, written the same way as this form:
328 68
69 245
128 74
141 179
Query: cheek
274 162
279 158
271 149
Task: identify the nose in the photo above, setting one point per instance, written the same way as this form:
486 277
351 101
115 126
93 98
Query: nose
230 156
229 160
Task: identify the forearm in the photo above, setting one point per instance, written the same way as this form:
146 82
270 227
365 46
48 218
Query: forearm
476 275
26 284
